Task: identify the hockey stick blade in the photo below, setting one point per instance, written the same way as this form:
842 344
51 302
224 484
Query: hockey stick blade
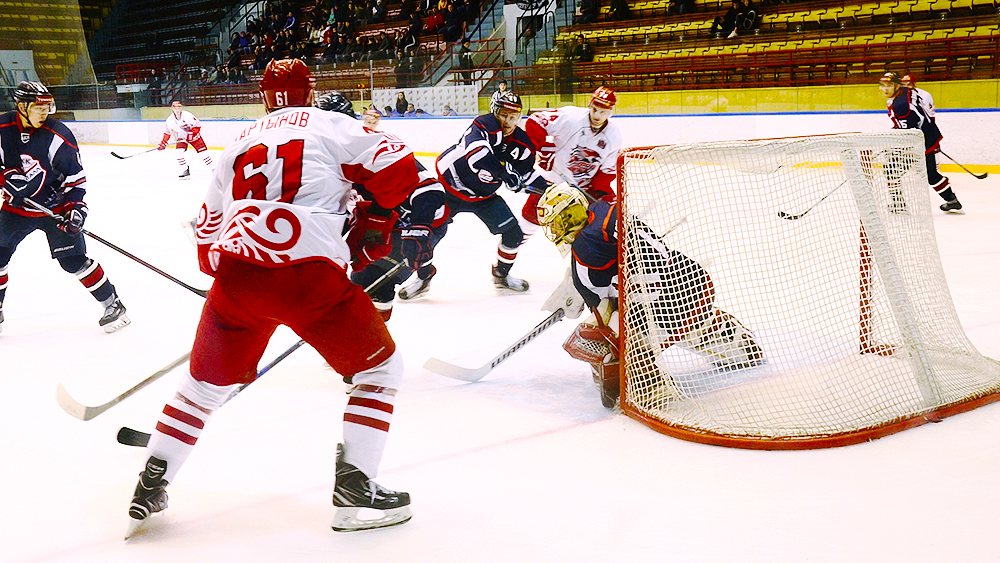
974 175
442 367
791 217
78 410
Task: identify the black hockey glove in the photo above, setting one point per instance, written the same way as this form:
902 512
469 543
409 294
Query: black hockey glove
415 242
73 219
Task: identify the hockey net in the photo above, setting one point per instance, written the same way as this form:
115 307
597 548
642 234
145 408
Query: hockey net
788 294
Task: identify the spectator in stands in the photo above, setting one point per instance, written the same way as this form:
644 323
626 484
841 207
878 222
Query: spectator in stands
583 52
388 112
680 7
619 10
587 11
454 27
465 62
415 27
725 25
260 59
410 110
435 19
332 52
401 103
213 76
290 22
447 111
154 86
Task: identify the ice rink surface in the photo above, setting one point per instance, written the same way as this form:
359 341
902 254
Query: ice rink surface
525 465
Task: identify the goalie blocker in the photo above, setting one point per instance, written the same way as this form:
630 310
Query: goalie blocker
676 286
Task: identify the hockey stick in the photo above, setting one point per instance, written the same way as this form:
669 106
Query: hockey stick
441 367
116 155
979 176
791 217
60 219
129 437
78 410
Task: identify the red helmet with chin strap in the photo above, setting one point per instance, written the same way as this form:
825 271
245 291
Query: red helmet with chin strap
286 83
604 98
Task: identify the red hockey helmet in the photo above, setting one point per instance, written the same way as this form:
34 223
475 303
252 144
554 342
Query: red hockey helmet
604 98
286 83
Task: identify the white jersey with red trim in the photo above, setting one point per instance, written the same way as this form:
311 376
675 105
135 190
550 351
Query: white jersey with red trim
580 154
179 128
280 193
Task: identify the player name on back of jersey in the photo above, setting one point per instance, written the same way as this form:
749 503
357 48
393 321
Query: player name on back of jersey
285 119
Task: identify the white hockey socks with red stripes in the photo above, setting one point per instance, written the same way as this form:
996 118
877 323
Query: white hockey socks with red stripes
182 420
369 413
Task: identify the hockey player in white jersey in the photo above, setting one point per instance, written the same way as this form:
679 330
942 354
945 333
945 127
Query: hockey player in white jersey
183 127
580 145
270 233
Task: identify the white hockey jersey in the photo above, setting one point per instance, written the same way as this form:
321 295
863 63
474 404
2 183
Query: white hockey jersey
279 195
179 128
589 159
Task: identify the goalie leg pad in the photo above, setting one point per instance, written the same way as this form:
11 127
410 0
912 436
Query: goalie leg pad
607 378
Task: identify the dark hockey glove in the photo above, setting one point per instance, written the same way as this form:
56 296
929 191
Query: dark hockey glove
416 245
18 185
370 237
73 219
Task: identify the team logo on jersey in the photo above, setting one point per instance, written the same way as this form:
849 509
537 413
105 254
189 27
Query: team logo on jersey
32 168
264 236
582 161
391 145
601 144
25 138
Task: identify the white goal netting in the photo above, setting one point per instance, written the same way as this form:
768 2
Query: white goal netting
788 293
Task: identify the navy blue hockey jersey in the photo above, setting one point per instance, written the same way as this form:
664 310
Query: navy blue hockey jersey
476 166
50 150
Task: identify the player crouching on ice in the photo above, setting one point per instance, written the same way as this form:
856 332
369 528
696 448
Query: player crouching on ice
272 241
186 128
675 287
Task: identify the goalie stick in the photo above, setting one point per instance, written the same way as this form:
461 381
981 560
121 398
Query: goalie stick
792 217
442 367
979 176
130 437
60 219
116 155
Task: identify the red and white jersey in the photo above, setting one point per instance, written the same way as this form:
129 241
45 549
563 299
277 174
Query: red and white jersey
178 128
581 155
280 192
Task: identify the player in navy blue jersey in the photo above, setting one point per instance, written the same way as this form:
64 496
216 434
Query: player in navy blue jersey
43 174
906 112
676 287
493 152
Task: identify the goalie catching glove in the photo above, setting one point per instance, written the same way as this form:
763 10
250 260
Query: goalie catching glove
415 243
370 236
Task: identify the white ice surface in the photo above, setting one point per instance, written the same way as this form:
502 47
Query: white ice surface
525 465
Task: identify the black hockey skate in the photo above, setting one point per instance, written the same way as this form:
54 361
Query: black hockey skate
186 173
354 491
150 494
953 207
114 317
415 289
506 281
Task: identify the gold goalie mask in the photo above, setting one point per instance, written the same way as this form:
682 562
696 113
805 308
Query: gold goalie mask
562 211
